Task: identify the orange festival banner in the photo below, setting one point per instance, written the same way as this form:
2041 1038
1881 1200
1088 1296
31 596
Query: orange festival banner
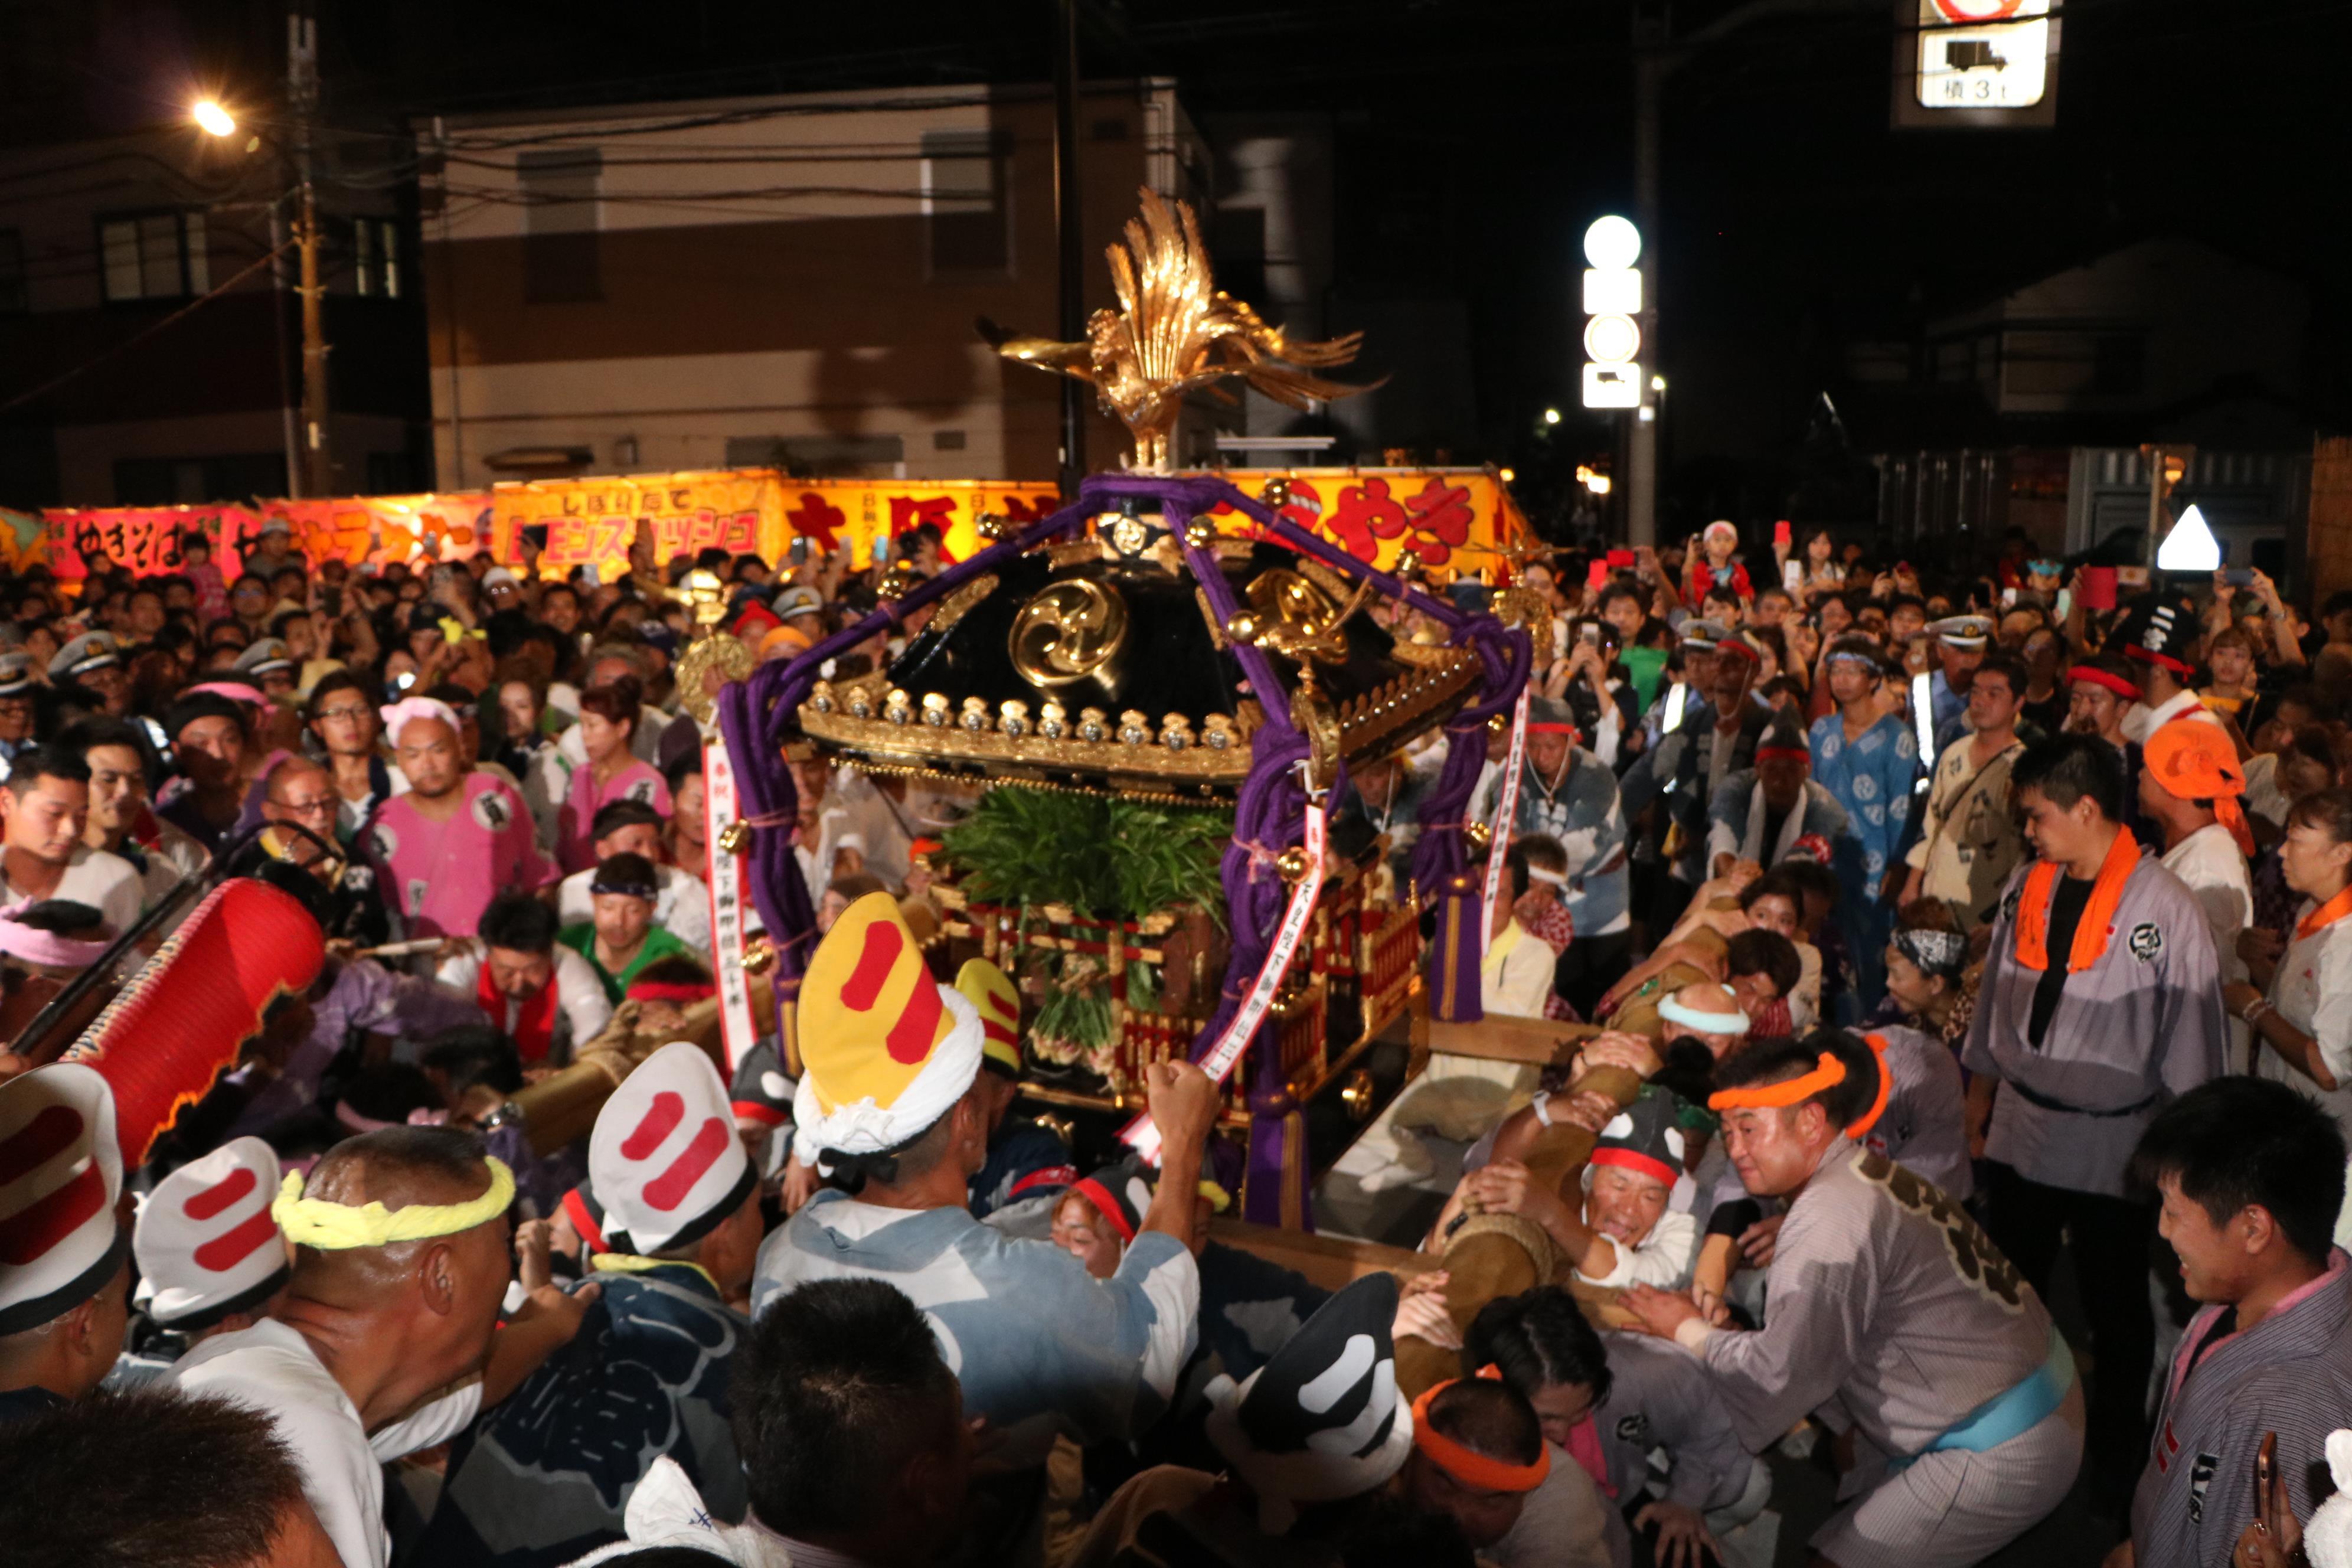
1459 520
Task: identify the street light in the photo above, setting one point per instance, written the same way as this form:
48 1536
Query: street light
1551 416
212 119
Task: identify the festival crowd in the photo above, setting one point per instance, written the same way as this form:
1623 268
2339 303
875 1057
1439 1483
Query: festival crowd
1953 987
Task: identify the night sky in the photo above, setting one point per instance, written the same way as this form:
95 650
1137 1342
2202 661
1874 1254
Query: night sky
1477 139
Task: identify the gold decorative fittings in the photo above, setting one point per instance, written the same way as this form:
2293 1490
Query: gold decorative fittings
993 525
1407 569
759 956
705 595
820 697
1012 717
1134 728
1277 493
1068 631
1053 721
1200 533
1129 535
1175 732
1296 619
1478 834
1357 1095
974 716
735 838
1217 733
898 708
1242 629
935 710
860 702
901 580
1094 724
1292 864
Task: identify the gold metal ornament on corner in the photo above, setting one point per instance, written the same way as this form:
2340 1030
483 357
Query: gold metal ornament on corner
1175 332
718 653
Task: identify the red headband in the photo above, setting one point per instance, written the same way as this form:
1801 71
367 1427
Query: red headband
1784 754
1466 1465
756 1110
1094 1193
2092 675
583 1222
2150 656
670 991
1551 729
1635 1161
1745 651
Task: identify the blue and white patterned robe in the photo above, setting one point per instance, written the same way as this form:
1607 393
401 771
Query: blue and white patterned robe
1041 1347
1873 777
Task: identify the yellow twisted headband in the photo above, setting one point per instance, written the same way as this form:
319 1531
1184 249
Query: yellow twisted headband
335 1227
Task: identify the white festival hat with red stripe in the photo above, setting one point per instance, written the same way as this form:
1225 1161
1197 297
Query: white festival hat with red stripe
664 1157
60 1176
207 1243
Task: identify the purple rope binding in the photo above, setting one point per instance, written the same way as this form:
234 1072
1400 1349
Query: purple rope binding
759 716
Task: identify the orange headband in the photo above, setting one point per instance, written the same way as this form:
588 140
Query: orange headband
1466 1465
1828 1073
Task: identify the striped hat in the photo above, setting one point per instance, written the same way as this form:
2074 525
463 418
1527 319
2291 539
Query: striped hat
885 1050
60 1175
1643 1138
664 1154
581 1207
993 995
207 1243
761 1093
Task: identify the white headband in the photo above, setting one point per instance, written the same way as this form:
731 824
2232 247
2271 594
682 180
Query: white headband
1538 874
1732 1023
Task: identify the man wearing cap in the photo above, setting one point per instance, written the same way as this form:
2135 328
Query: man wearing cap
44 814
2159 638
1621 1230
2100 1001
1969 841
268 664
891 1112
548 1475
456 839
620 938
681 904
400 1263
65 1253
210 1258
93 661
1026 1159
209 735
17 686
1887 1300
271 553
1959 648
1569 794
2189 785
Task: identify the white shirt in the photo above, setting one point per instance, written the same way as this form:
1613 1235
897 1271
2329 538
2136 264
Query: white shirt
2209 863
107 883
270 1368
1515 977
1662 1258
683 908
579 992
2312 991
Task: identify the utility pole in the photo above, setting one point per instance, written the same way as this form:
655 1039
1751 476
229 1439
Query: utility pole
1065 221
302 99
1650 66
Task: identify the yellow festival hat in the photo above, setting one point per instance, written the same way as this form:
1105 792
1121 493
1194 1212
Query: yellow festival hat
990 992
887 1050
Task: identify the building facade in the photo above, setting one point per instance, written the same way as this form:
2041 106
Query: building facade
789 280
149 346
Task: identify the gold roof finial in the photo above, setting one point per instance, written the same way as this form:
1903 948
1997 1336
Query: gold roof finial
1175 332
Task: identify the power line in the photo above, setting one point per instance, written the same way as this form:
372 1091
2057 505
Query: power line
137 338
